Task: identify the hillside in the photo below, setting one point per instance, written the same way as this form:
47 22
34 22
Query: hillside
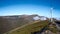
10 22
37 27
29 28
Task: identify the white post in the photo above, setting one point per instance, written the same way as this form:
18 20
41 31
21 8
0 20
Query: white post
51 14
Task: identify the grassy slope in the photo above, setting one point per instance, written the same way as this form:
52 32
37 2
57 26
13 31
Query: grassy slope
35 26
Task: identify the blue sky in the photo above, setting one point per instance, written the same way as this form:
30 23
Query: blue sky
40 7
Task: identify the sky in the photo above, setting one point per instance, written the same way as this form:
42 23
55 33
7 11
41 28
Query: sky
40 7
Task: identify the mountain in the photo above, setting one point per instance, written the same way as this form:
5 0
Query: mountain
8 23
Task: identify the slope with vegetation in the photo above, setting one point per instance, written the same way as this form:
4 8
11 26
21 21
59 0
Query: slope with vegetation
30 28
37 26
25 24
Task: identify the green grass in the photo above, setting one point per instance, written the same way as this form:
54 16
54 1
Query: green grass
37 26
